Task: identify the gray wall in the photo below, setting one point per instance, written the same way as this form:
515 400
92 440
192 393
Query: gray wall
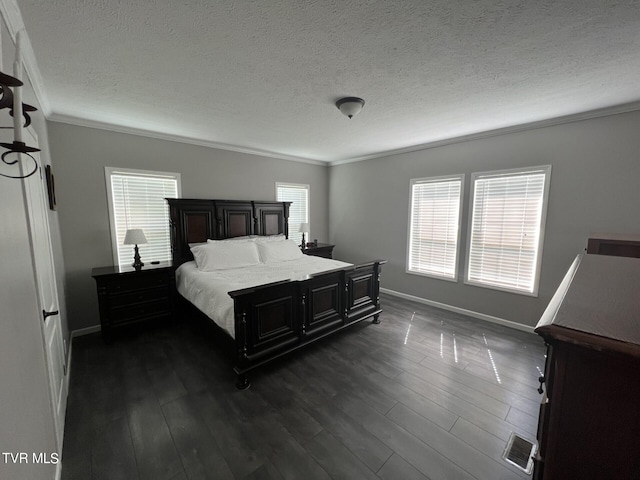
80 155
594 188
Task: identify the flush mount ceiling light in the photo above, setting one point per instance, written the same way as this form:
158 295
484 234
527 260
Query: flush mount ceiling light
350 106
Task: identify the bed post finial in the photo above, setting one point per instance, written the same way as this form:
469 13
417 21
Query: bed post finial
256 224
285 206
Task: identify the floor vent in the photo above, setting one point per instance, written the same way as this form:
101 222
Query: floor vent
520 452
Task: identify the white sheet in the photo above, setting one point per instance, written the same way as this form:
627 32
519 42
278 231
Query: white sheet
209 291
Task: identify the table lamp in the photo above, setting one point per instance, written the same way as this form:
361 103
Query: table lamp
135 236
304 228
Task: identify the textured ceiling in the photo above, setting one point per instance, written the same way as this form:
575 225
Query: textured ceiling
265 75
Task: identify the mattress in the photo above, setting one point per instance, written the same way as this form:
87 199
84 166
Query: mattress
209 291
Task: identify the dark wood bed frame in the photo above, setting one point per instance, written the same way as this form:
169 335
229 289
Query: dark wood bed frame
278 318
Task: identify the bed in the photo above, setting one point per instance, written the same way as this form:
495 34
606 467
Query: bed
272 312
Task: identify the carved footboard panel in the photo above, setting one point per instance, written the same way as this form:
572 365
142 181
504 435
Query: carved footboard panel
276 319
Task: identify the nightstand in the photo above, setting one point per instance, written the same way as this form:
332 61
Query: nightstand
321 250
128 296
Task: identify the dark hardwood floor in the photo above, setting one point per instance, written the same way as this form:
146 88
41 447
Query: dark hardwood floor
425 394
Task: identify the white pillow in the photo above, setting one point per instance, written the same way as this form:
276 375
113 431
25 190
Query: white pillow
270 238
225 255
271 252
246 238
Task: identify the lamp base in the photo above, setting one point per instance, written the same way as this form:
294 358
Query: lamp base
304 242
137 264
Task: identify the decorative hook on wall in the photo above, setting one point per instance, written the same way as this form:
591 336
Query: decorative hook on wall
6 101
10 81
17 147
12 100
25 109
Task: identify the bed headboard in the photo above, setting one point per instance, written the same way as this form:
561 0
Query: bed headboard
195 221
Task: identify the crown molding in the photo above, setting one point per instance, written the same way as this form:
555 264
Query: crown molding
576 117
81 122
13 18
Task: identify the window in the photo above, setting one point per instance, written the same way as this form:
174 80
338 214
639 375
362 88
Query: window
137 200
298 195
507 228
434 226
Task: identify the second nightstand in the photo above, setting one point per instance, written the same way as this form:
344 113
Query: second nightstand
127 296
321 250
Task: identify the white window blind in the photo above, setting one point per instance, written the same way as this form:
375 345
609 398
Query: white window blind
506 230
434 225
137 200
298 195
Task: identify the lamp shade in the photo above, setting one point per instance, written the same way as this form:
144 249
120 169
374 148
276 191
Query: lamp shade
134 236
304 227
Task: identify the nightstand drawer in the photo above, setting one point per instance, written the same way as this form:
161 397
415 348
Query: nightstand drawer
323 250
320 253
140 311
138 296
125 284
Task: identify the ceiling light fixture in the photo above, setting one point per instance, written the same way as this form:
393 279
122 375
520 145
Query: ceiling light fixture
350 106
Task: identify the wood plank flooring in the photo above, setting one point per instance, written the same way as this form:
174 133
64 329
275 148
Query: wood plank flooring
427 394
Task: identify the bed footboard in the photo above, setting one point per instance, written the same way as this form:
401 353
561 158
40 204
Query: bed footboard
275 319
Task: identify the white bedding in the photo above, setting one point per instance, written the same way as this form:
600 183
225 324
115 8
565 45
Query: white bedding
209 290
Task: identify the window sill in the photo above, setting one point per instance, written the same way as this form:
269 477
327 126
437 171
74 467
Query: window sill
432 275
502 289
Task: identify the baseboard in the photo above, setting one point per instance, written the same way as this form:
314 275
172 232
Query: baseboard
85 331
463 311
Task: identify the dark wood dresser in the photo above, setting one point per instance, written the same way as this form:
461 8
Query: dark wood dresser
127 296
320 250
589 424
622 245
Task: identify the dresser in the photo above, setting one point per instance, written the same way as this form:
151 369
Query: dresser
622 245
320 250
128 296
589 423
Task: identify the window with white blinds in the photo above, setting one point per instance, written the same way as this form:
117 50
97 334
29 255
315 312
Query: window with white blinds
137 200
507 228
298 195
434 226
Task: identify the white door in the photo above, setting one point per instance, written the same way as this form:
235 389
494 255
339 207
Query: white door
37 205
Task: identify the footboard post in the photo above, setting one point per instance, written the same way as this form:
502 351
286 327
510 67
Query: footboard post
345 303
241 345
303 313
376 317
